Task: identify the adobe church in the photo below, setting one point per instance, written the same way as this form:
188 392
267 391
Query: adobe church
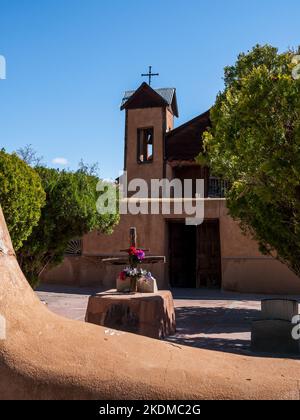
214 254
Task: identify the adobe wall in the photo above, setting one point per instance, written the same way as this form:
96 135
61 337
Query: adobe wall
170 121
88 270
244 269
47 357
145 118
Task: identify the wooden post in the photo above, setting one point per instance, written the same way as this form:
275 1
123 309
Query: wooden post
133 237
133 240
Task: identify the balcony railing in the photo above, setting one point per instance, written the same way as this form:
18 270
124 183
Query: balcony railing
217 188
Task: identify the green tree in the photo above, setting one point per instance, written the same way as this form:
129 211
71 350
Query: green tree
254 143
70 212
21 197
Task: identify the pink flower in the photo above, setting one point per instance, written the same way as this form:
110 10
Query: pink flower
140 254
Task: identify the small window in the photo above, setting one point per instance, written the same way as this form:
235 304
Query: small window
145 145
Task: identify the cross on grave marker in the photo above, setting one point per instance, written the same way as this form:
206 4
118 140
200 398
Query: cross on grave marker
133 242
133 237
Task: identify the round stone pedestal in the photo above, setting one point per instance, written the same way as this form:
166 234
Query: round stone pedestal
151 315
273 333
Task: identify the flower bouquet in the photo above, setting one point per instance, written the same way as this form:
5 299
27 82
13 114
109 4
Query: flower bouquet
136 256
133 274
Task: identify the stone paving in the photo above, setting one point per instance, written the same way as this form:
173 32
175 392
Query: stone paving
215 320
208 319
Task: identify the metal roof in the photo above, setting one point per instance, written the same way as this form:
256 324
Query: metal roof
166 93
185 142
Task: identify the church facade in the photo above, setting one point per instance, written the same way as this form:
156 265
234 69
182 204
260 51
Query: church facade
214 254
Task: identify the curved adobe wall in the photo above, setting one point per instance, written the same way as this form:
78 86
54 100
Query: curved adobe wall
48 357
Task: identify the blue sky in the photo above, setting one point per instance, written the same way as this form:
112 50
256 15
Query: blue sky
69 62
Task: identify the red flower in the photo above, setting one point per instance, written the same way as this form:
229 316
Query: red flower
132 251
123 276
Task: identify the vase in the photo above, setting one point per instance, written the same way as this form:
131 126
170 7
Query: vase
147 285
123 286
133 284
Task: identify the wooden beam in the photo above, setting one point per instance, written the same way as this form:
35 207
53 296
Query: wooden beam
133 237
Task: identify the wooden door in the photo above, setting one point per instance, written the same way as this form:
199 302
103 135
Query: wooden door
209 255
182 255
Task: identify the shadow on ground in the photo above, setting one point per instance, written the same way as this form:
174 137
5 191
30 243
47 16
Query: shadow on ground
207 319
68 290
215 328
213 295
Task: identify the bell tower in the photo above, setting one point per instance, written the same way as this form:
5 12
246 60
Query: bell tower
149 116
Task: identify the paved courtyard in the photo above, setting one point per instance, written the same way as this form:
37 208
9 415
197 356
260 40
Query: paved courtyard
205 319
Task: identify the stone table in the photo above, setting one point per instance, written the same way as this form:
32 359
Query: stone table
151 315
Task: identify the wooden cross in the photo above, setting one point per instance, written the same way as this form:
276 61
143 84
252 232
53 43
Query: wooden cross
133 240
133 237
150 75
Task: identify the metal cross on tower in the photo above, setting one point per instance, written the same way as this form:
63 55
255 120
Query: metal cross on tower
150 75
